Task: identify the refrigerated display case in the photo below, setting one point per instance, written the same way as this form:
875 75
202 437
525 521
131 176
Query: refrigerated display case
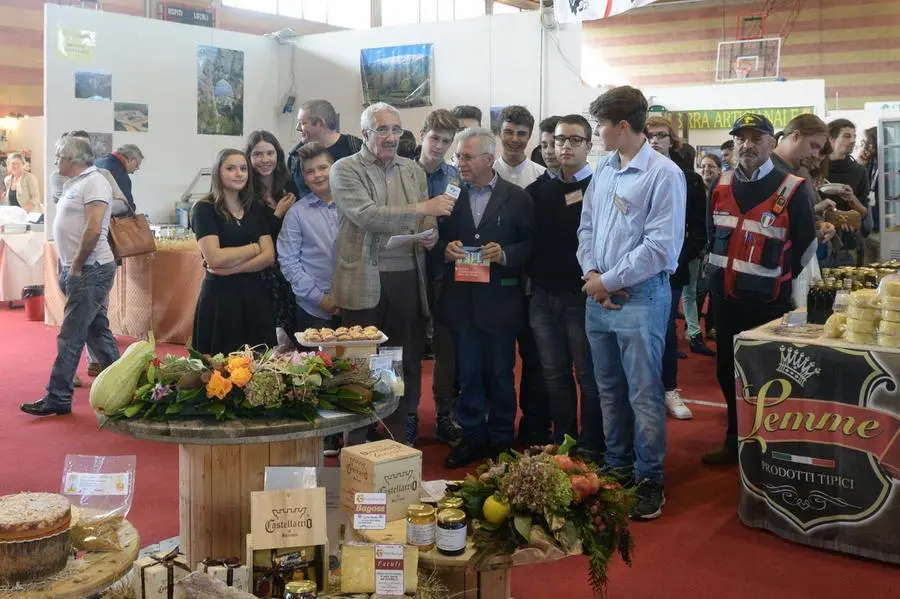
889 186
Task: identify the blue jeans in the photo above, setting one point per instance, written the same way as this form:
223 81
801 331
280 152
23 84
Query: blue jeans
627 347
486 360
691 309
84 322
670 352
557 320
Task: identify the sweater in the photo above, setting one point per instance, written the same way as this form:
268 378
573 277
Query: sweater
554 264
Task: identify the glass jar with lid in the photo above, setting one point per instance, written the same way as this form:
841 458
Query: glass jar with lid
300 589
420 526
451 532
450 502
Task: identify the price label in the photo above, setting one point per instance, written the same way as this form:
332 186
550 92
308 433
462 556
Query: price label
389 570
370 511
89 483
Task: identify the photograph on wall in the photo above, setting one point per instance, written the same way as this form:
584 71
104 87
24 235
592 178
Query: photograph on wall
398 75
495 118
128 116
101 143
220 91
93 85
76 44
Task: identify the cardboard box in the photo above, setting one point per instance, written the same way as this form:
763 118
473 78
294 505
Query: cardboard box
151 576
382 467
236 575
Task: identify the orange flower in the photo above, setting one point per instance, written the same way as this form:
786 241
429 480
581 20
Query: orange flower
237 362
241 376
218 386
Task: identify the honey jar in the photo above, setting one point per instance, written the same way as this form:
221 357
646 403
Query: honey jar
301 589
451 532
420 526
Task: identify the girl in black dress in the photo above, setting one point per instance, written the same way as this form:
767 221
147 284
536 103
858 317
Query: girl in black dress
234 307
274 190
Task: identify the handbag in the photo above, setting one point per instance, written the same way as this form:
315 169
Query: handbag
130 236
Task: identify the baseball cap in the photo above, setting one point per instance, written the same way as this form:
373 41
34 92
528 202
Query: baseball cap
752 120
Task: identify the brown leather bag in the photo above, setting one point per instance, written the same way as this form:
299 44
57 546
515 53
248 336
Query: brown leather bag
130 236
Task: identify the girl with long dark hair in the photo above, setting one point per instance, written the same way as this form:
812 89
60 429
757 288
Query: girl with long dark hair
275 192
234 307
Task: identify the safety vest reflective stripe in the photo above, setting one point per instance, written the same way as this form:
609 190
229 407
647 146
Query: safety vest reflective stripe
725 220
745 267
756 227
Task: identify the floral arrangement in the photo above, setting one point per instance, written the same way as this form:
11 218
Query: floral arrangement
248 384
545 498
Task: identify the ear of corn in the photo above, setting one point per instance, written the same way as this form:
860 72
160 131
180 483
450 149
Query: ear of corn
113 389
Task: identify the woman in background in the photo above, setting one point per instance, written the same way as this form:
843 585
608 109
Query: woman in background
275 192
234 307
22 187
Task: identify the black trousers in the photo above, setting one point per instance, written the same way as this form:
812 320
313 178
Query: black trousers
399 315
733 317
534 427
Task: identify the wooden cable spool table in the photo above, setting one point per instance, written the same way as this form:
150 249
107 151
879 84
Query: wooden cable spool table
92 574
221 463
490 581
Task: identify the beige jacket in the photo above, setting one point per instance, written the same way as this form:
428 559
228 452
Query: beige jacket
28 195
365 222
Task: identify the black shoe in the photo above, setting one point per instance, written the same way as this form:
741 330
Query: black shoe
699 347
650 501
529 436
447 431
588 455
681 355
332 445
40 408
463 455
623 476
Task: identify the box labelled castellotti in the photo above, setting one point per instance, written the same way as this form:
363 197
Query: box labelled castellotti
382 467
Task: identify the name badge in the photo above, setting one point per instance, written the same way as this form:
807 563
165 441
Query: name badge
574 197
620 204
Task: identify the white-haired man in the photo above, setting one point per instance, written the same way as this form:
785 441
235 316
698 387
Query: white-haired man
496 217
87 269
379 194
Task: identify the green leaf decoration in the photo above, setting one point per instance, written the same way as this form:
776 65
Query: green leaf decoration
523 526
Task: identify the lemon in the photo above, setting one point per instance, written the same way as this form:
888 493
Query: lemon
495 510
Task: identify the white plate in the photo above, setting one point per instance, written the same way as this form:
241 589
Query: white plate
336 343
831 188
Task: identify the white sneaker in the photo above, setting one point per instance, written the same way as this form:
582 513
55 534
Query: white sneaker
675 406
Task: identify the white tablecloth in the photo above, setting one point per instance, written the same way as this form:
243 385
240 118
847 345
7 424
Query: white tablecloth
21 263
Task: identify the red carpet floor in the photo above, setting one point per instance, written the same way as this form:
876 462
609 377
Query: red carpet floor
697 550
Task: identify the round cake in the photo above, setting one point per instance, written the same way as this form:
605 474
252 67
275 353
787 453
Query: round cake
34 536
29 516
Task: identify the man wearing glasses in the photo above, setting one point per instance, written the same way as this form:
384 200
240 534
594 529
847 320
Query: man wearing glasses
557 304
632 228
379 194
489 234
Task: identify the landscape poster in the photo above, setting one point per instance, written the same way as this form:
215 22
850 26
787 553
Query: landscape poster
131 117
93 85
220 91
398 75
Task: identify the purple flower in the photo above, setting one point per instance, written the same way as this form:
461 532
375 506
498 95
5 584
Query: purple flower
160 392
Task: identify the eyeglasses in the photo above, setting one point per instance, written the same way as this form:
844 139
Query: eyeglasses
387 131
574 140
661 135
468 157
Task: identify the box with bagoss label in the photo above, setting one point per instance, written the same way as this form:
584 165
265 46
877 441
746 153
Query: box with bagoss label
382 467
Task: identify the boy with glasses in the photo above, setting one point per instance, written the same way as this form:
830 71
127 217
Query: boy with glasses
557 303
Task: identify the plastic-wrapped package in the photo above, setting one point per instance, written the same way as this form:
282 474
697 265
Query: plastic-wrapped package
834 326
861 326
860 338
860 313
864 298
198 585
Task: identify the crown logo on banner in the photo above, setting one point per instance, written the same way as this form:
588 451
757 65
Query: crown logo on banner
796 365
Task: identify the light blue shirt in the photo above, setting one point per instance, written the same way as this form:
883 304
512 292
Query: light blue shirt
306 251
582 174
767 167
438 180
632 221
479 198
